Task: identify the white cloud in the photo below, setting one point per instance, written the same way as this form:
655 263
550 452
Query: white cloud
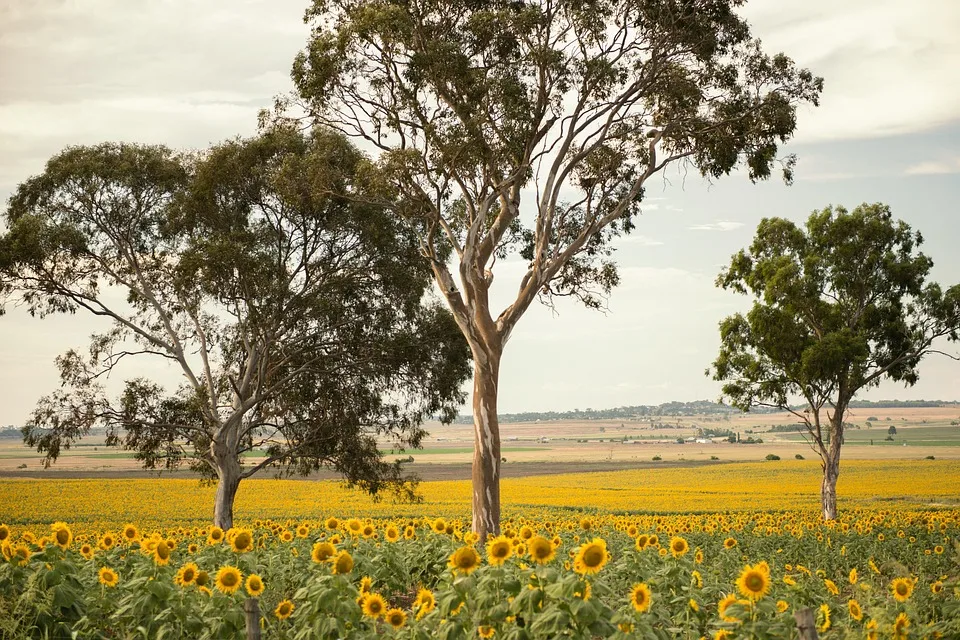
930 167
719 225
885 63
637 239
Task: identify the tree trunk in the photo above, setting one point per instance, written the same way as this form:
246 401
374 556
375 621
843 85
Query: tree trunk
486 450
226 493
828 489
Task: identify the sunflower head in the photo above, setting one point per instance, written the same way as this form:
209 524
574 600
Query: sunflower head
540 549
855 611
342 563
108 577
396 617
284 610
424 603
254 585
62 535
640 597
591 557
228 579
322 551
242 541
374 605
678 546
754 582
902 589
498 550
464 560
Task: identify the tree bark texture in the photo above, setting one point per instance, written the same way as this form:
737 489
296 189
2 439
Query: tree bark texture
486 452
828 489
226 494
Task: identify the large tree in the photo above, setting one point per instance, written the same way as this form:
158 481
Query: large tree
839 306
533 126
295 313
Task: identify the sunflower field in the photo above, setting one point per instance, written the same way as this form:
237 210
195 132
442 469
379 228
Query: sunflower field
884 569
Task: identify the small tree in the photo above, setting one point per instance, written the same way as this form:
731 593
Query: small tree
838 306
892 430
293 312
532 127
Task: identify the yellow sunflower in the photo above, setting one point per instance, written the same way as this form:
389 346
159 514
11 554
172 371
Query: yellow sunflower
354 526
754 582
215 536
498 550
284 610
486 631
678 546
591 557
242 541
4 533
391 533
782 606
424 603
161 553
20 555
729 543
303 531
540 549
823 618
332 524
202 578
374 605
855 611
396 617
902 588
229 579
107 541
640 597
254 585
723 605
107 577
62 536
641 542
464 560
186 575
130 533
439 525
322 551
86 551
342 563
901 626
831 586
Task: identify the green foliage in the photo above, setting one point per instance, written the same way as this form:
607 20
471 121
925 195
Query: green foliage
469 102
295 309
772 456
839 305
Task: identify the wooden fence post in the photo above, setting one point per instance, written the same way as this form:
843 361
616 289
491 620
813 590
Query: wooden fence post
806 624
251 608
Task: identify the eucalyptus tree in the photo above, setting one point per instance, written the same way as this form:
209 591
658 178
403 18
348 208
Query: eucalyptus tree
533 127
838 306
295 313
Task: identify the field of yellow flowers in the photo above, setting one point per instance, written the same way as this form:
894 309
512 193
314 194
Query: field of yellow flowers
641 554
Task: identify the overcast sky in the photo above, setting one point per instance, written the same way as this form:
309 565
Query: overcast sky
187 74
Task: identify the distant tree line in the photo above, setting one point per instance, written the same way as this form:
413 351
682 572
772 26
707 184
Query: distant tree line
697 407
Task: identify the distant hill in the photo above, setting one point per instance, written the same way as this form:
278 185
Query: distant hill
697 407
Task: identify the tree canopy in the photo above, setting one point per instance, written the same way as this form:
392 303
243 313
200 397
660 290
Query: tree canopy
529 129
839 305
296 312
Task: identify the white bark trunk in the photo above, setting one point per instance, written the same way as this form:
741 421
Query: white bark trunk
486 453
828 489
228 471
